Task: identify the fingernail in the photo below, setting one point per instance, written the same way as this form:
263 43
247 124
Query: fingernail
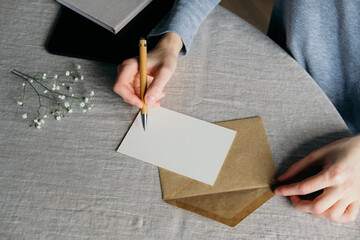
150 99
277 192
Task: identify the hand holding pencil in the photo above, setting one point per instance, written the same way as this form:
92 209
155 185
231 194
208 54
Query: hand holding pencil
161 64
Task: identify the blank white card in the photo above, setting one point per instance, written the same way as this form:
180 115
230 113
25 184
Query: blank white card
179 143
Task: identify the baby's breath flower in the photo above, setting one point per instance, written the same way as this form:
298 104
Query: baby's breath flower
50 93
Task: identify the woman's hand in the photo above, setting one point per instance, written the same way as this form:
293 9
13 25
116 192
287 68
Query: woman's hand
161 64
339 180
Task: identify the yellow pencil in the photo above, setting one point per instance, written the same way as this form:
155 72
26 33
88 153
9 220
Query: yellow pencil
143 79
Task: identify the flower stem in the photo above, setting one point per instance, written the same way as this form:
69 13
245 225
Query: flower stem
27 77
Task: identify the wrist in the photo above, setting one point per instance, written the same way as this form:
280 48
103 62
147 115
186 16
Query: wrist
357 139
170 42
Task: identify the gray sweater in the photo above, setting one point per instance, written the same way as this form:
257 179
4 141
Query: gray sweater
323 36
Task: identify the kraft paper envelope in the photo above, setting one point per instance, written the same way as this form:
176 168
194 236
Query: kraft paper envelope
243 184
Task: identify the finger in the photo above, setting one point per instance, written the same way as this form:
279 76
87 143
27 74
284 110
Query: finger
309 185
127 72
325 202
129 96
137 91
133 100
301 205
131 62
154 105
157 85
157 103
336 211
136 85
162 95
308 161
319 206
302 165
350 213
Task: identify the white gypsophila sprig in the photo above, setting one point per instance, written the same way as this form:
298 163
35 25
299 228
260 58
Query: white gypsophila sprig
52 95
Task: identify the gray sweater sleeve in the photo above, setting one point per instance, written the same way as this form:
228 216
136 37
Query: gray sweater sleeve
184 19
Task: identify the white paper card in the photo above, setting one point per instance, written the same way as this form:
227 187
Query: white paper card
179 143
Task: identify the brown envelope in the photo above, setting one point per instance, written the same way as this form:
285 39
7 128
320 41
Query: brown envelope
243 184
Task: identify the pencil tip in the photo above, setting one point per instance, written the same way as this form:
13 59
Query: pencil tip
144 120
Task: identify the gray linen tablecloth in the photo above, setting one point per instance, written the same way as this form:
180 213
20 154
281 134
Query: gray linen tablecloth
66 181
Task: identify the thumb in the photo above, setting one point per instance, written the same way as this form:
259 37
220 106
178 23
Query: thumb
153 93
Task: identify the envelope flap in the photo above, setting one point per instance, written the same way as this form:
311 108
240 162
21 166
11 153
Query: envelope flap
172 183
251 148
248 165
